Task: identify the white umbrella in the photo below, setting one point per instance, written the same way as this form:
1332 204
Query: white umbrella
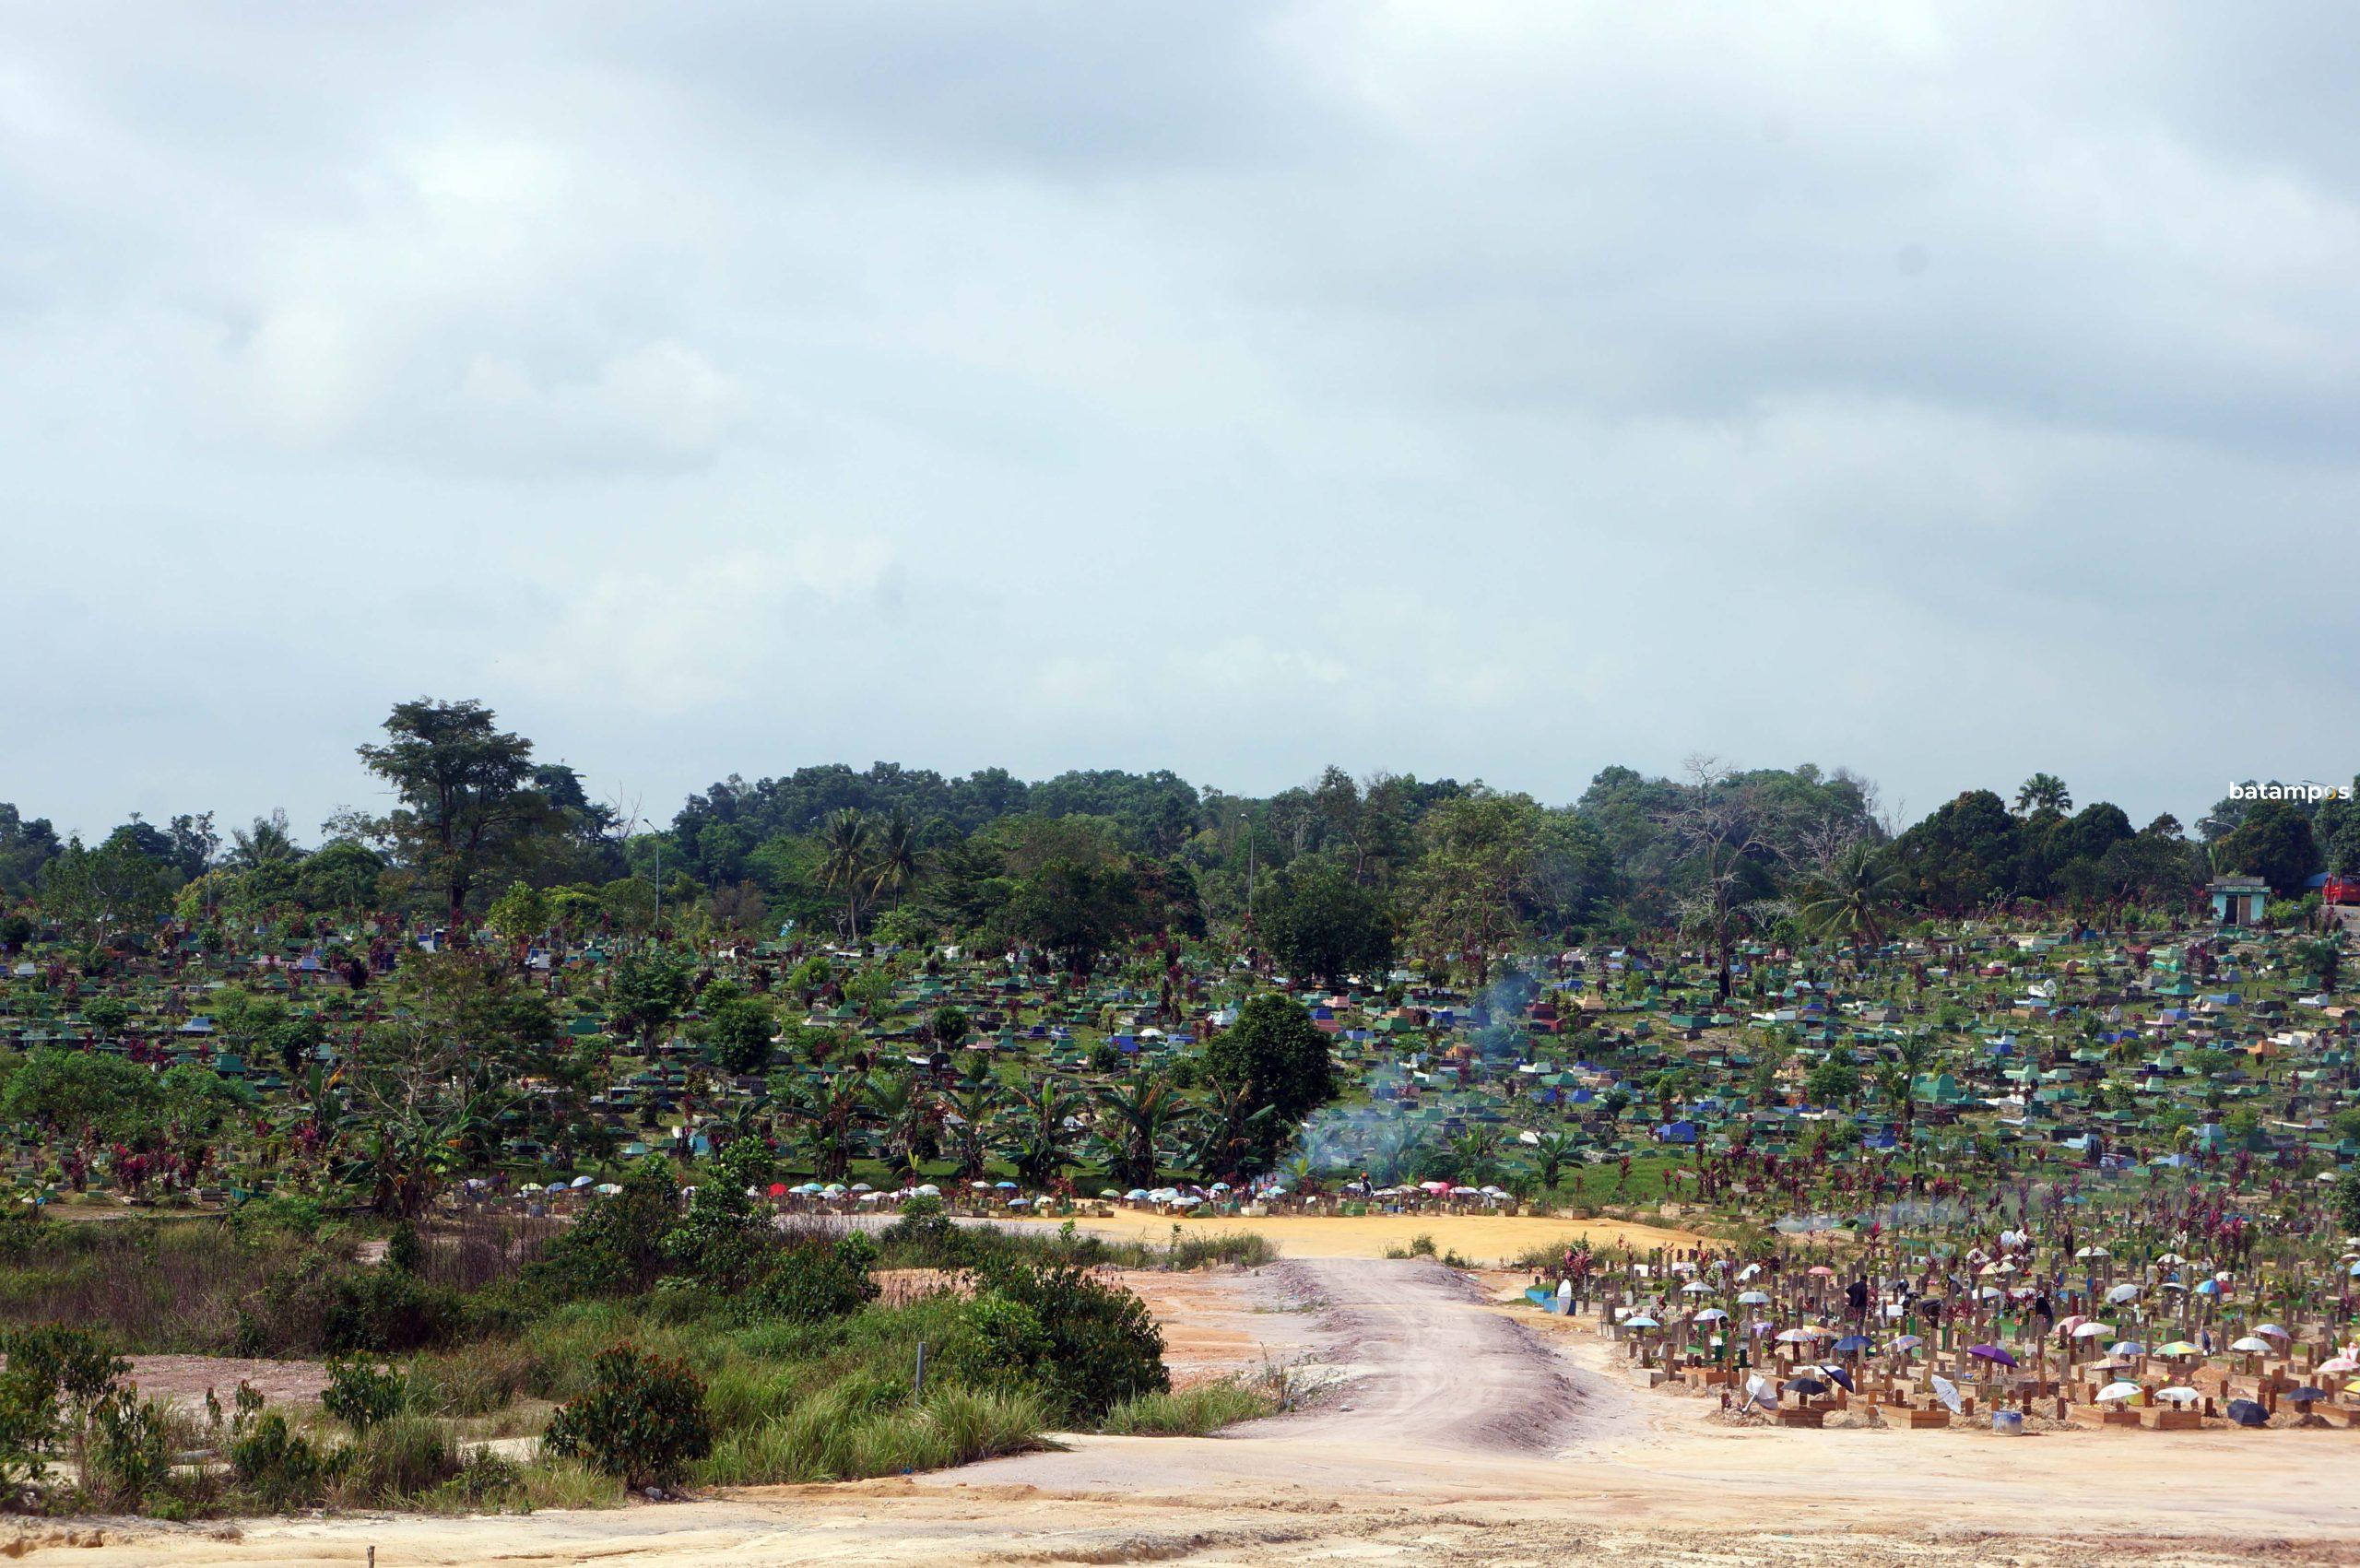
2180 1396
1947 1392
2122 1293
2114 1393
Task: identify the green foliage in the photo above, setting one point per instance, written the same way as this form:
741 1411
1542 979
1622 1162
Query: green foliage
646 991
2273 843
1198 1410
721 1240
617 1248
2347 1200
1277 1054
116 1099
643 1419
360 1393
813 1282
281 1469
1320 922
1102 1345
739 1035
129 1458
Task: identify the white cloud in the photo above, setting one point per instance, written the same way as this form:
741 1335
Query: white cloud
1481 387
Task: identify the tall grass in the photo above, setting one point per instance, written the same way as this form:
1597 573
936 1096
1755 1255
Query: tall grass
837 1437
155 1285
1205 1408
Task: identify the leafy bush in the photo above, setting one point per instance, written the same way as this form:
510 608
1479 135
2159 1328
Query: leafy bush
812 1282
643 1419
616 1249
281 1469
720 1241
361 1395
843 1434
394 1460
997 1343
128 1456
1104 1347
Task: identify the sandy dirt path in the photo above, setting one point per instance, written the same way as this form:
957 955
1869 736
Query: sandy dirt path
1455 1432
1480 1238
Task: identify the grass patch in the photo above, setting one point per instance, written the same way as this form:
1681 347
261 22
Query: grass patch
841 1436
1206 1407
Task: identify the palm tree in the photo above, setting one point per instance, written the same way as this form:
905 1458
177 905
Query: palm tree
1850 902
1392 1152
2322 957
847 853
1232 1132
1134 1118
1040 1142
1915 1055
829 1113
904 1114
896 856
1475 1155
967 1118
2043 792
1551 1154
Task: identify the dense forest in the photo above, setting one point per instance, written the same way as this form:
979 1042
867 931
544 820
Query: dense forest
1334 875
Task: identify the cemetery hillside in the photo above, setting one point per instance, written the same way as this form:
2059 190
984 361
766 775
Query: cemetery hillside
498 1152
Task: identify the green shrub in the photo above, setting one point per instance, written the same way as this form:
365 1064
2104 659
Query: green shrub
281 1469
567 1483
616 1249
128 1456
843 1434
642 1418
361 1395
396 1459
809 1283
720 1241
1103 1348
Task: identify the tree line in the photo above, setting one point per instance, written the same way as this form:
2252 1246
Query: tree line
1339 875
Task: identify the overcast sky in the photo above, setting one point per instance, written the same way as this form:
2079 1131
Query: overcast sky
1463 388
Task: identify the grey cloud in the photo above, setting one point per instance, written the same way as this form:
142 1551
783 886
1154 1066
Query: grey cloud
1484 388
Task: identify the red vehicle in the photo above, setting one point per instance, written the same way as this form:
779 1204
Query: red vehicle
2341 889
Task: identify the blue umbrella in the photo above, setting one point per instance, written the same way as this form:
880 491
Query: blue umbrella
1851 1343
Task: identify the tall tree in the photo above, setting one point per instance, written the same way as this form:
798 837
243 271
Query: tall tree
1482 853
848 861
2043 792
1321 921
466 792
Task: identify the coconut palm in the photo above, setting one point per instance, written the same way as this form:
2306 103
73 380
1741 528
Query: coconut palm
1232 1132
896 856
1551 1154
1475 1155
847 858
1850 902
829 1113
904 1114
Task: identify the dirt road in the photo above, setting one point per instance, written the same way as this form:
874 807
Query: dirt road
1455 1432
